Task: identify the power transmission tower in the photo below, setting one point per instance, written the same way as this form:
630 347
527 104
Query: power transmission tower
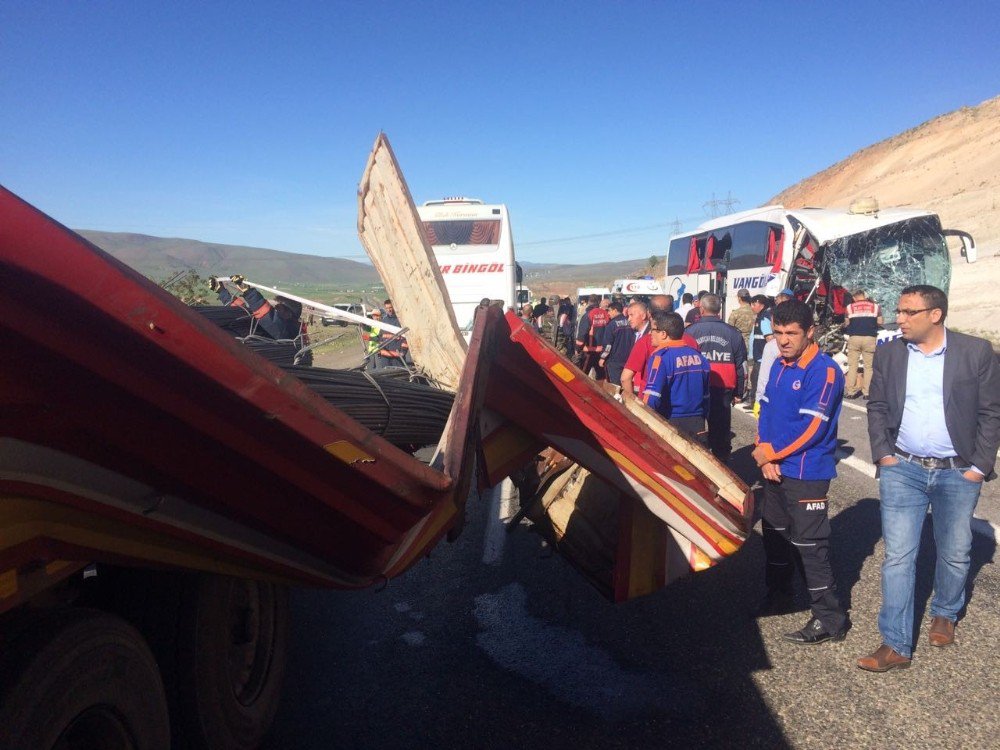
713 206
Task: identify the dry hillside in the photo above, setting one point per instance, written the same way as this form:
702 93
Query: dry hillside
951 165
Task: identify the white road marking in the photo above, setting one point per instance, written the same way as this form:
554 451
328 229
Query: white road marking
501 508
858 464
979 525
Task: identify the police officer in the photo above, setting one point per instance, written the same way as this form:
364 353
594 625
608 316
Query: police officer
796 441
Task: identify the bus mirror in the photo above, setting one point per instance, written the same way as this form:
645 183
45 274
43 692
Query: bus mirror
969 251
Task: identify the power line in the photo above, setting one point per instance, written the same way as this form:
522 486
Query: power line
676 224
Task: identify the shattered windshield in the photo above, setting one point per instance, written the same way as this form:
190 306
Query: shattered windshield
884 261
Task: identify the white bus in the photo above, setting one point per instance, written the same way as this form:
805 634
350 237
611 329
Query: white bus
815 252
474 248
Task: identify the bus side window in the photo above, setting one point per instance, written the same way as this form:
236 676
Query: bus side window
749 248
677 257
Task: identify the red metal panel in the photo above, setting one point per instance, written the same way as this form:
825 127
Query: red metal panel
106 366
581 421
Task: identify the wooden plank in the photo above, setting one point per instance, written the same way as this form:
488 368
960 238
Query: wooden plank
393 237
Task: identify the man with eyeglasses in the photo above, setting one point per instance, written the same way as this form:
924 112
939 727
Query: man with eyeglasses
677 387
934 427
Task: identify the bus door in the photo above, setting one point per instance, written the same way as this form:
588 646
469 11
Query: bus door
715 260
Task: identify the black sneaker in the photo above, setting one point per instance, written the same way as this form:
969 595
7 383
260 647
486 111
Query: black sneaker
814 633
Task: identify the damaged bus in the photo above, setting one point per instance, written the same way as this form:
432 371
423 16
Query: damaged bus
817 253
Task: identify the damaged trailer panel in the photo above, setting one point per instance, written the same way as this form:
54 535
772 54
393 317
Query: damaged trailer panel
676 507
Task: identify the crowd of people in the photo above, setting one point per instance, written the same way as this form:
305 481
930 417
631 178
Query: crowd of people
933 403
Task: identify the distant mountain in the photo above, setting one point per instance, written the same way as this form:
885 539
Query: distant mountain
565 277
160 257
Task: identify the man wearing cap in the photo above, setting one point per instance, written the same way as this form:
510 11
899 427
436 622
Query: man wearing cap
760 334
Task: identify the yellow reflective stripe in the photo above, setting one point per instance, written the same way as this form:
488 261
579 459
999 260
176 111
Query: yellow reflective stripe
676 504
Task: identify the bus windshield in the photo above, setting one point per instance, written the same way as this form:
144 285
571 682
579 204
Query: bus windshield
884 261
464 233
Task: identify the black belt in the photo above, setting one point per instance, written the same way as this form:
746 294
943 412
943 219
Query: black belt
928 462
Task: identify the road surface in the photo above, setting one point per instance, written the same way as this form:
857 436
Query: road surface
499 644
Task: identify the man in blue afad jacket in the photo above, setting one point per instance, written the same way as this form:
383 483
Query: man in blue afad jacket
677 386
796 443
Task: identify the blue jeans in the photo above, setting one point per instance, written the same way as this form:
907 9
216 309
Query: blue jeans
906 490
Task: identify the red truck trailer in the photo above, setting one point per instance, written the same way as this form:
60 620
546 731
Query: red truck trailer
161 486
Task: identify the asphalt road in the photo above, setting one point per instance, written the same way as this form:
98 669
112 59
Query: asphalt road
520 652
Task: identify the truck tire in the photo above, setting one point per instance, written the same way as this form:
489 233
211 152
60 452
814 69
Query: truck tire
79 678
231 655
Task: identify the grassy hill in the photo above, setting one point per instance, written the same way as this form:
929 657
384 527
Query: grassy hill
161 257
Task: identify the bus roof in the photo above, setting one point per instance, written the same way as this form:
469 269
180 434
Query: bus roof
457 199
825 224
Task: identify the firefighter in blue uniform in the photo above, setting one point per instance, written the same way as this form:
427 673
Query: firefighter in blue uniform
796 443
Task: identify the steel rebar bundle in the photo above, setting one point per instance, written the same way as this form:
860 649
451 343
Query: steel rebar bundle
385 401
234 319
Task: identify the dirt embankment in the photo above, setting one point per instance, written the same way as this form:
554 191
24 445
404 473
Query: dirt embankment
950 165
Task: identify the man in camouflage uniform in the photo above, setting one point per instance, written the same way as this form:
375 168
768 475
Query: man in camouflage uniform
742 318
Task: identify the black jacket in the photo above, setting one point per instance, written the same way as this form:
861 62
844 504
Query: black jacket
971 399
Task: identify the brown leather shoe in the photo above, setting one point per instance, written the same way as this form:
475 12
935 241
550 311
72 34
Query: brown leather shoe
884 659
942 632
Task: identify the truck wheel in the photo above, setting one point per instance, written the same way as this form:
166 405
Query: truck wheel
79 678
231 650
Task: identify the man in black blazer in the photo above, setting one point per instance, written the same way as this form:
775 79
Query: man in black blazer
934 426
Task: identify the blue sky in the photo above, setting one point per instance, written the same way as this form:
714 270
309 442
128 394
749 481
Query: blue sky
604 122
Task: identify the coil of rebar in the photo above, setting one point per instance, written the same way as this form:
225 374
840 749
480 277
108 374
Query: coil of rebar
385 401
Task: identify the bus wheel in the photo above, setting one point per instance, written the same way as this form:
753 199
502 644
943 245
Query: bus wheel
78 678
231 661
